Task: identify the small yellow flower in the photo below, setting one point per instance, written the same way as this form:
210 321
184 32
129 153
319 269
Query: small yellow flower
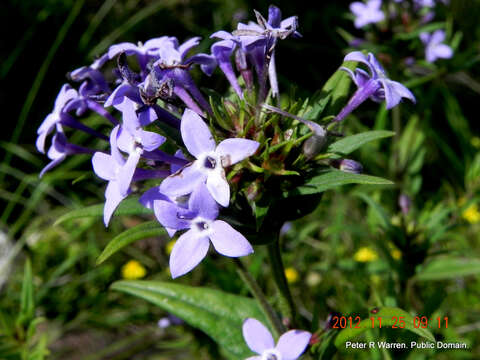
291 274
365 254
471 214
396 254
133 270
169 247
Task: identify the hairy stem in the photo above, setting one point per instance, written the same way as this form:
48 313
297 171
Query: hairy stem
286 300
257 293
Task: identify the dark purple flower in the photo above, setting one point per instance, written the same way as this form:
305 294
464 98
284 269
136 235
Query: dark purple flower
374 85
434 46
369 13
200 220
290 346
210 160
351 166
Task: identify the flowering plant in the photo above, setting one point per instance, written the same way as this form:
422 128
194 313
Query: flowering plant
227 168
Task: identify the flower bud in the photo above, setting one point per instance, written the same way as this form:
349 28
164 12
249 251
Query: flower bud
348 165
313 145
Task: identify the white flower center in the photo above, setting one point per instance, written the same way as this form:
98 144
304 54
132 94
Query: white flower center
271 354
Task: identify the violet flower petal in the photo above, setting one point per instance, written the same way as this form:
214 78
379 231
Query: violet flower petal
228 241
218 186
104 166
113 197
196 134
257 336
183 181
202 203
188 252
234 150
171 215
293 343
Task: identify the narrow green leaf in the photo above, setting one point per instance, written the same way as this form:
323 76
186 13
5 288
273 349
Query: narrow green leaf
389 316
380 213
334 178
141 231
351 143
218 314
448 268
129 206
27 301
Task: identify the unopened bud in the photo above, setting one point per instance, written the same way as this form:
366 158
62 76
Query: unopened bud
313 145
348 165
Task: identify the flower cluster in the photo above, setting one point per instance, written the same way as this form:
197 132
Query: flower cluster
183 153
149 89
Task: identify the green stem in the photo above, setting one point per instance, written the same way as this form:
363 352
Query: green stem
257 293
286 301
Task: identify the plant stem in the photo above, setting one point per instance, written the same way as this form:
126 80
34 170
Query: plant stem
257 293
286 301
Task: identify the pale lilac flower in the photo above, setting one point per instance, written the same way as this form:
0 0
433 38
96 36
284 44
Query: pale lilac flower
119 173
200 218
210 160
434 46
374 85
368 13
290 346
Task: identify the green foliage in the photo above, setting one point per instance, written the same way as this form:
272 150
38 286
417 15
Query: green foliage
141 231
334 178
129 206
218 314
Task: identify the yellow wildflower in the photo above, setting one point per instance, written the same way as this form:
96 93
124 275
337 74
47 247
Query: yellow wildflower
365 254
471 214
291 274
169 247
396 254
133 270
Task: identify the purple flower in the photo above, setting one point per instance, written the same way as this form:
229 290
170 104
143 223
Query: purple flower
290 346
434 47
200 218
60 149
368 13
257 41
405 203
120 172
65 95
173 65
210 160
374 85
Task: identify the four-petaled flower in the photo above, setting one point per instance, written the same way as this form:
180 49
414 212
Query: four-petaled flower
210 160
200 218
434 46
289 347
368 13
